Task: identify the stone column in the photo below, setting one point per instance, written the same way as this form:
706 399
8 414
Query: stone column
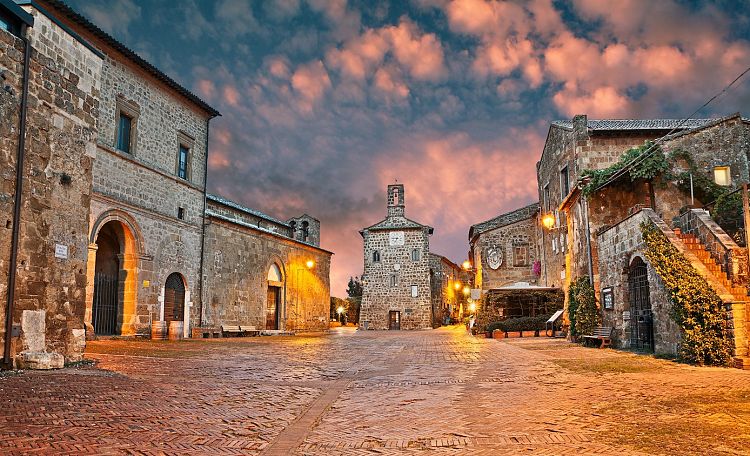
90 273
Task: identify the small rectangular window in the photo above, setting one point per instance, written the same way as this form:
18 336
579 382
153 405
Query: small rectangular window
414 291
564 182
182 162
123 133
546 195
181 213
415 255
521 255
4 25
722 175
393 281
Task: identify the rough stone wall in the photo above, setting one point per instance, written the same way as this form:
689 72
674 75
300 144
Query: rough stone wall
445 302
237 260
504 239
64 96
618 247
379 297
310 225
243 215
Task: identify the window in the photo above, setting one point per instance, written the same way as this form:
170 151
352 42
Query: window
395 196
124 130
521 255
414 291
375 256
305 231
182 162
181 213
126 121
564 182
722 175
4 25
294 228
415 255
393 280
545 196
10 24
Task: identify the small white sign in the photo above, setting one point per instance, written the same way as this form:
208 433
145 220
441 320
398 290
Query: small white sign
61 251
476 293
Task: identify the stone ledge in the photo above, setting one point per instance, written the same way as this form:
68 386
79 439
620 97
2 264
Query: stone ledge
40 360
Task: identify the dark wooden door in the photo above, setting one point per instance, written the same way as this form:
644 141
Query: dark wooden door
174 298
394 319
272 308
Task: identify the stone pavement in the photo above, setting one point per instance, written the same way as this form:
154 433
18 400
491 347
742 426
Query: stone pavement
425 392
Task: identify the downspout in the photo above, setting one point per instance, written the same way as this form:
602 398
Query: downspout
203 225
585 209
7 361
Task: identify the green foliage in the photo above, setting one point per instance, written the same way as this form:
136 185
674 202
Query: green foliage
519 324
653 165
354 288
573 305
696 307
587 316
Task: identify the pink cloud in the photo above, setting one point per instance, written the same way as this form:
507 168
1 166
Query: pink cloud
231 95
387 84
206 88
421 54
310 82
602 102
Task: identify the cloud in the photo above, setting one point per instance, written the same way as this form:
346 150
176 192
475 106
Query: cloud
114 17
310 82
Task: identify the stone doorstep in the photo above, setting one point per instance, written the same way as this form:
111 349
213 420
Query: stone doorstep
40 360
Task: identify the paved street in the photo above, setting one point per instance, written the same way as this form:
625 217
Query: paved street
428 392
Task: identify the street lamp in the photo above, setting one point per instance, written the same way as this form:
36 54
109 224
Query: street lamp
466 265
548 220
310 264
340 311
472 307
457 285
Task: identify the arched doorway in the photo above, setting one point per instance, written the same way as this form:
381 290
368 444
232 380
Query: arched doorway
174 298
113 266
273 298
641 318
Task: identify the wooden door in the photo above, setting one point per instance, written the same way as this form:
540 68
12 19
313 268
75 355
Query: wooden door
272 308
394 319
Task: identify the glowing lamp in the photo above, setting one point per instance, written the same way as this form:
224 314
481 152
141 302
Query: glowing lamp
466 265
457 286
310 264
472 307
548 221
340 310
467 290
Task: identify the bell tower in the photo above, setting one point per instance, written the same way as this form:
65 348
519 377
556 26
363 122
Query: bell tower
396 200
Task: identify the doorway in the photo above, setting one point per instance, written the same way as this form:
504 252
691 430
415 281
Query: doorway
641 317
272 307
106 306
394 320
174 298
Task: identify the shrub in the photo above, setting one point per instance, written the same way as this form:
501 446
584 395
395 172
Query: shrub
519 324
587 316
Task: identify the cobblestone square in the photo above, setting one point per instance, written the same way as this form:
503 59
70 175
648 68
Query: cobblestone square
427 392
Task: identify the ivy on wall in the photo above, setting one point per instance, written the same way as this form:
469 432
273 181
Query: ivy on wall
696 307
583 312
648 168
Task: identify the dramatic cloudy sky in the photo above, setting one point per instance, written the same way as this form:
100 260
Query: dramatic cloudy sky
326 102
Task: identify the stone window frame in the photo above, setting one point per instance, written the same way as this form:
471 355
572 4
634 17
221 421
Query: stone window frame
133 111
184 141
564 189
526 256
376 256
415 255
546 197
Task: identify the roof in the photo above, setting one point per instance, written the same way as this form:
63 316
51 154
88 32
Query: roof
246 210
80 20
18 12
387 224
501 220
635 124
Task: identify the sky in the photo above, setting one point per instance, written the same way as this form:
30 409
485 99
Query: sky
325 103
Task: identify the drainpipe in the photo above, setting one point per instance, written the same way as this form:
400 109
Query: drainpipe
203 225
7 361
585 209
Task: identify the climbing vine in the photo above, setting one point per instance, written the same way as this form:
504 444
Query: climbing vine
648 168
582 309
696 307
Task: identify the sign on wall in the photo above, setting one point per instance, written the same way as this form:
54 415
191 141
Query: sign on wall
396 238
608 298
494 257
61 251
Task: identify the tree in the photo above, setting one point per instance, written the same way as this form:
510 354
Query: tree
354 291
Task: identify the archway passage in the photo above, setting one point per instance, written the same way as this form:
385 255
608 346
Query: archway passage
106 307
641 318
174 298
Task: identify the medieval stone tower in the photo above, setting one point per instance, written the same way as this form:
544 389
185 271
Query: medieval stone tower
396 275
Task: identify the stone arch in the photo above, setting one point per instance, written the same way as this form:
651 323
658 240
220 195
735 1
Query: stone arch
124 247
275 285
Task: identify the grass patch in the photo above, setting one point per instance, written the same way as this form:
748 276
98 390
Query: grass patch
610 365
715 423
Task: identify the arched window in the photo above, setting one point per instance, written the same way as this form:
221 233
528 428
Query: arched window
395 196
274 273
305 231
376 256
294 229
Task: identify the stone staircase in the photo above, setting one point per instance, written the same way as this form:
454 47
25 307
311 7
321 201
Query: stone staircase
734 296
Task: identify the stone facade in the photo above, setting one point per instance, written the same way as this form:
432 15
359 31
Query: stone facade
447 282
396 279
503 250
242 248
61 132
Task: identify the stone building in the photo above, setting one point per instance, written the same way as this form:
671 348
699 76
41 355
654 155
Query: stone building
396 278
505 249
260 272
106 221
447 284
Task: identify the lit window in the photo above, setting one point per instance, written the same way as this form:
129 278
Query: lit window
182 162
414 291
124 130
722 175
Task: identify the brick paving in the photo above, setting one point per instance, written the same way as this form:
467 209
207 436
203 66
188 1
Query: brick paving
428 392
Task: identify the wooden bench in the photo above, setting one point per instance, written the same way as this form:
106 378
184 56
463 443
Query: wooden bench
231 329
250 330
602 333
